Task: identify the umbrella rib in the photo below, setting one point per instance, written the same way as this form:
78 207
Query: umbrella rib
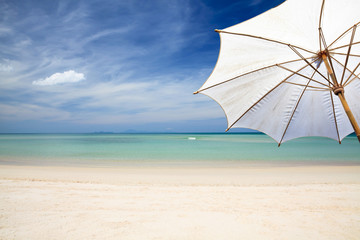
320 42
343 34
347 56
346 45
321 13
317 90
264 97
301 75
320 22
266 39
352 73
348 82
328 54
351 55
333 108
294 110
303 85
309 64
244 74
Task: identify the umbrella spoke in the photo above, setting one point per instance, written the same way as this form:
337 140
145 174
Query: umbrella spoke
320 23
333 76
356 77
352 73
271 90
344 54
346 45
310 64
297 104
320 46
345 68
244 74
266 39
344 34
347 56
315 88
301 75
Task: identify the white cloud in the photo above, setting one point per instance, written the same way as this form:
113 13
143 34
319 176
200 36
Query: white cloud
57 78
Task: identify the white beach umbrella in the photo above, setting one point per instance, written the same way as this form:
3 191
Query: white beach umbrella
287 71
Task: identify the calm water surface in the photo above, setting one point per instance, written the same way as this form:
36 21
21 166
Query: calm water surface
171 149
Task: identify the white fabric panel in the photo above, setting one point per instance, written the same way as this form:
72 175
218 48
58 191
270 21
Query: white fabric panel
294 21
310 72
297 22
314 116
239 55
272 113
339 15
344 124
240 94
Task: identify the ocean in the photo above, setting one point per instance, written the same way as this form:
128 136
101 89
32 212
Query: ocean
190 149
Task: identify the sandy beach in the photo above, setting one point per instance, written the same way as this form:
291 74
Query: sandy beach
302 202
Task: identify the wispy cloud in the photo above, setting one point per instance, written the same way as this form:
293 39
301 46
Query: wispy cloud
25 111
5 65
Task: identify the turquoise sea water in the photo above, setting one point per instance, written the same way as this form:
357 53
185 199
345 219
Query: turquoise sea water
172 149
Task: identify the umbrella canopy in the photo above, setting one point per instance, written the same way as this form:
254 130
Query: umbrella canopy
287 71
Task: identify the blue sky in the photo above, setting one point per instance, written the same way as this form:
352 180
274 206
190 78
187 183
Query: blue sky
106 65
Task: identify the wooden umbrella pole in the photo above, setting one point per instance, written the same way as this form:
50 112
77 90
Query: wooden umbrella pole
339 91
349 114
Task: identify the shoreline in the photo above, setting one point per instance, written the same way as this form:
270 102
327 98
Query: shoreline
172 163
209 175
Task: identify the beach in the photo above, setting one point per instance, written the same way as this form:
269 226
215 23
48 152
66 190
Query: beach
164 202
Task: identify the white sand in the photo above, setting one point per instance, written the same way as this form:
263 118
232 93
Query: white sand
172 203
